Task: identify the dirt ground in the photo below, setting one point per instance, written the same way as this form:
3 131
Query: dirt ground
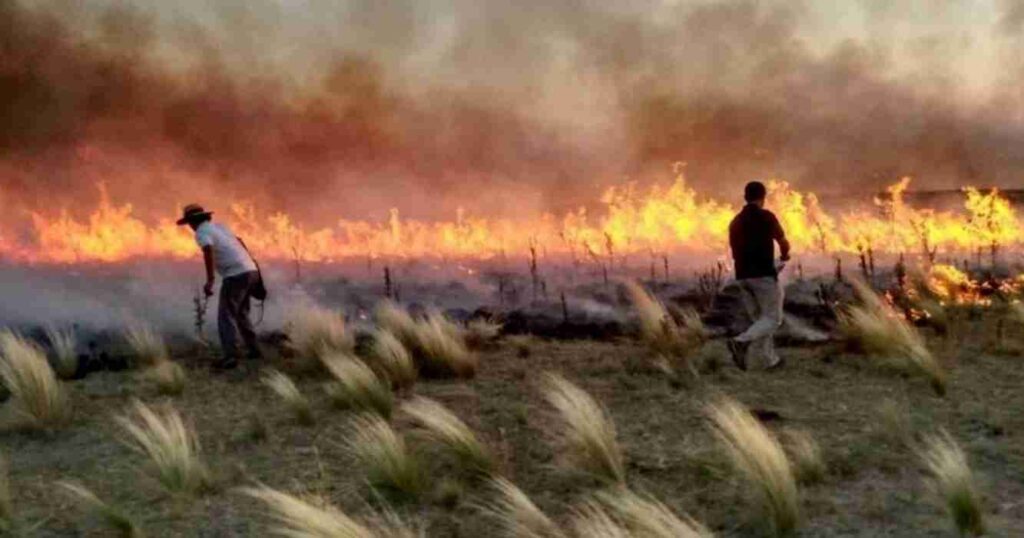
874 487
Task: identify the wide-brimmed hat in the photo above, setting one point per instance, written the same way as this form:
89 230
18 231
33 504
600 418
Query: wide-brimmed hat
192 212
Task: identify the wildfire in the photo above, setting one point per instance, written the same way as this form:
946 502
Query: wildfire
655 221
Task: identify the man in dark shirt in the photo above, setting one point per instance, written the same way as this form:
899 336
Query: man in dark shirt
752 237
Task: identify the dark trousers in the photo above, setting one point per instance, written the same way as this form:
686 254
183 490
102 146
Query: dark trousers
233 314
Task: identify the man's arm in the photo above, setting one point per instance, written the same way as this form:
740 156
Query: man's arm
208 261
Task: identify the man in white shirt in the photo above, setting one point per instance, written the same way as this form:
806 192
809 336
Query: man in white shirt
226 253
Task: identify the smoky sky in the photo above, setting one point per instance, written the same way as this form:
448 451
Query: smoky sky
330 109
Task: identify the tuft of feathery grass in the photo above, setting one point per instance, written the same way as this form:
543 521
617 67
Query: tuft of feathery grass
38 396
392 357
445 428
517 515
648 517
759 458
953 482
592 520
877 329
660 330
147 345
115 518
168 377
393 318
63 344
589 434
314 331
805 455
170 444
479 332
389 465
294 400
442 348
356 386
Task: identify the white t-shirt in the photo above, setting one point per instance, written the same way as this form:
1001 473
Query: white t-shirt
229 256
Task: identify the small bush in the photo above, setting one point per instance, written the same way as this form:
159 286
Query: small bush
664 334
63 344
355 386
168 377
314 332
442 350
589 437
118 520
516 514
38 397
293 398
171 446
389 466
444 427
393 360
953 482
147 344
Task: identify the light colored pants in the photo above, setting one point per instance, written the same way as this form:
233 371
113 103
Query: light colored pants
762 298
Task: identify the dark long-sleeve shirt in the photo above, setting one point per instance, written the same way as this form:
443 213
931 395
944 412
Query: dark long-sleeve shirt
752 236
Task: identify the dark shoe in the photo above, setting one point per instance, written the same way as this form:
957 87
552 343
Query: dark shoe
224 364
254 354
739 353
777 365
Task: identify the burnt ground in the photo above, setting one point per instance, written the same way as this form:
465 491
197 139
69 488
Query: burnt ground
874 486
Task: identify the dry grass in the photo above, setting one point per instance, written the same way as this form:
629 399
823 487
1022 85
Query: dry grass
38 397
805 455
119 522
759 458
437 345
648 517
445 428
660 331
480 332
170 444
593 520
878 330
300 518
393 318
147 345
516 514
356 386
168 376
389 465
393 360
953 482
63 343
589 434
314 331
294 400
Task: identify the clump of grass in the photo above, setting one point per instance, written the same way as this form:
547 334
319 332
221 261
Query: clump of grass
396 320
589 434
301 518
293 398
390 466
356 386
168 377
170 444
445 428
38 396
805 455
147 345
393 359
647 517
517 515
480 332
115 518
437 345
314 331
953 482
878 330
63 344
592 520
894 422
759 458
664 334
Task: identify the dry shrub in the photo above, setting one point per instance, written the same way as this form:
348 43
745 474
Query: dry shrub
647 517
674 336
147 345
118 520
805 455
356 386
759 458
953 482
437 345
38 397
389 465
480 332
879 330
517 515
442 426
588 434
393 360
294 400
170 444
301 518
63 344
168 377
314 331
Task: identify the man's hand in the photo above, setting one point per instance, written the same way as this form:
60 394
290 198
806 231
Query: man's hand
208 288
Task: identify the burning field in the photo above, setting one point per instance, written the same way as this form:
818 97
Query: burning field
496 241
